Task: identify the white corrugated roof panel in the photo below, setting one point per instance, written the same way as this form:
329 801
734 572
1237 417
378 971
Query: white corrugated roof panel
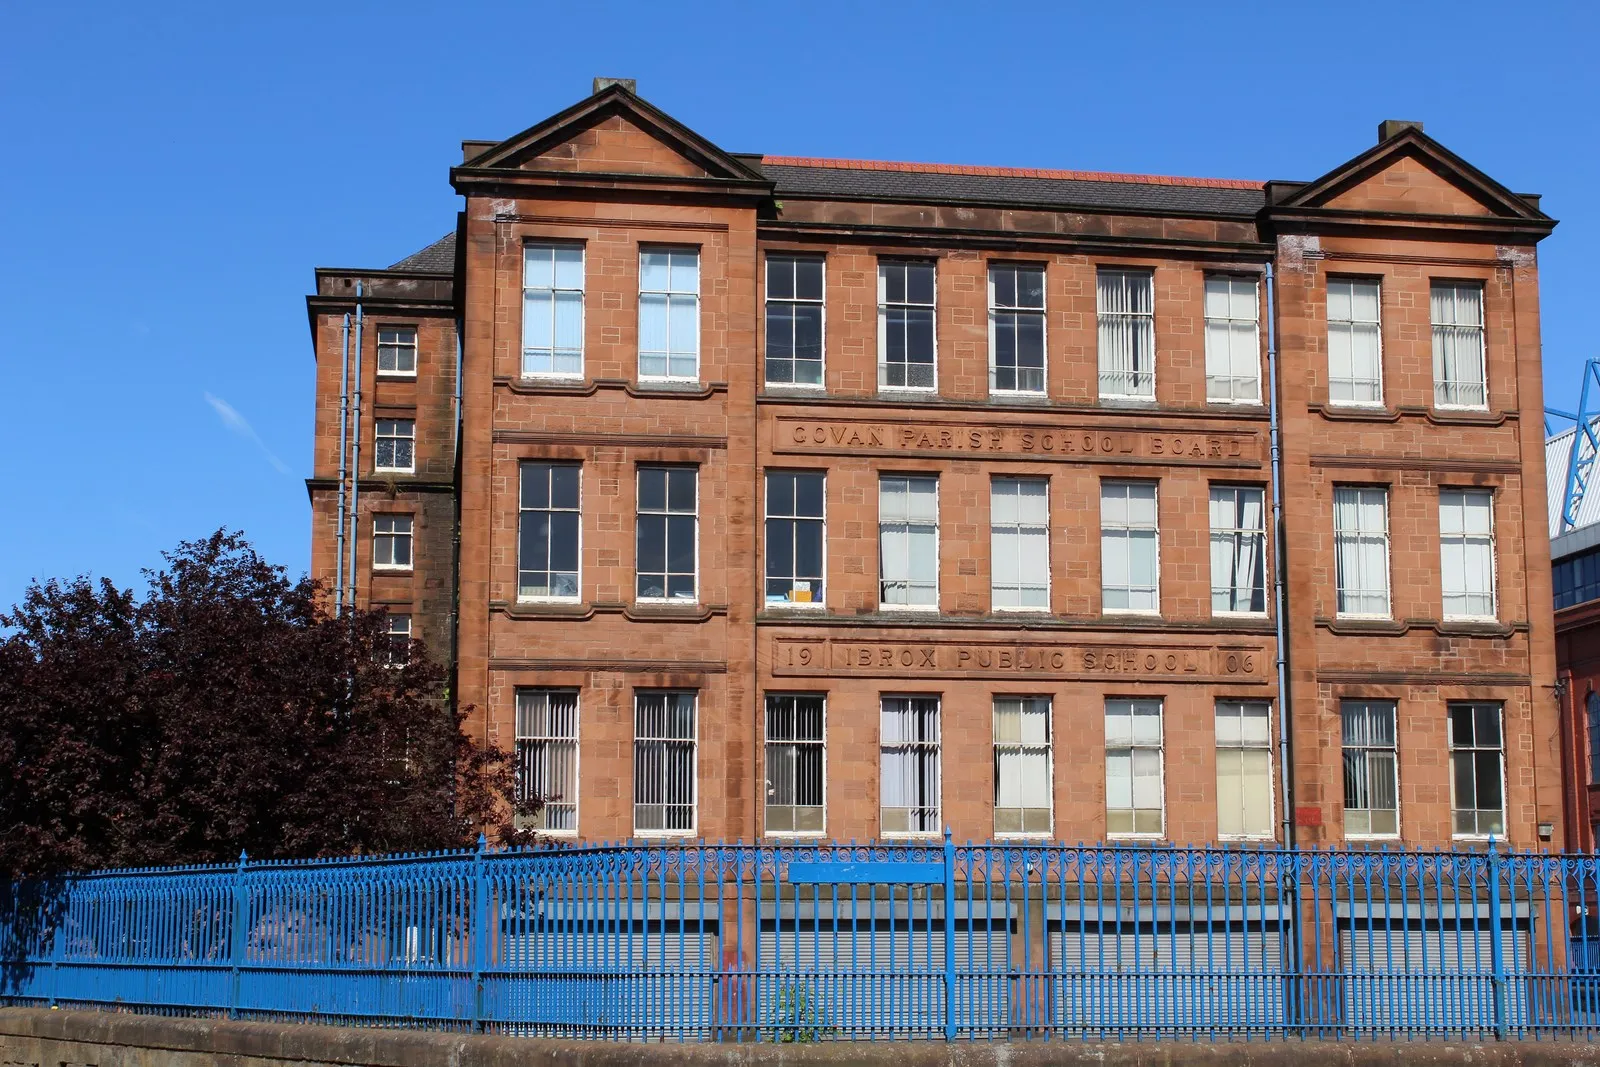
1557 454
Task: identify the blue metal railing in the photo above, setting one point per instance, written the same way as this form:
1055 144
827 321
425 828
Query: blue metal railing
805 943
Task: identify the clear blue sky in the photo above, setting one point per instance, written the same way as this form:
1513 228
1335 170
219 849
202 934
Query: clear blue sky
172 178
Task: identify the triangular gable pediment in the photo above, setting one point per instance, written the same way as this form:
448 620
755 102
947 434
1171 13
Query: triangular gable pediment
614 132
1411 174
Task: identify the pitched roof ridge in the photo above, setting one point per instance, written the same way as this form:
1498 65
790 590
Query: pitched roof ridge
1008 172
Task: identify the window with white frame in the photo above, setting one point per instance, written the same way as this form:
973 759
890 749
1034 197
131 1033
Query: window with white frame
548 532
1361 549
909 739
667 533
1016 329
1244 769
397 350
1126 303
1019 544
1477 764
795 537
391 542
1133 767
552 311
1233 339
396 441
1355 343
794 320
905 325
669 314
1023 788
1238 550
1466 553
664 766
796 749
547 757
1458 371
398 631
1371 768
908 541
1129 548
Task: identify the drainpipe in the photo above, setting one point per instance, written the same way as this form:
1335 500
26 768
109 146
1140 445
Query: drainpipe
455 532
355 461
1280 590
344 422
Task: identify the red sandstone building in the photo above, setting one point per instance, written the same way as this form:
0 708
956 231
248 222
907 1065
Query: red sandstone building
755 496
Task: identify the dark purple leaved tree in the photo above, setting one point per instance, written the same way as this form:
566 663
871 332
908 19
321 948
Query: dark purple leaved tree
226 710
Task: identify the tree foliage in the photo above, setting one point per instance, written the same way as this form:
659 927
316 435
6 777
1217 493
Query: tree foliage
225 710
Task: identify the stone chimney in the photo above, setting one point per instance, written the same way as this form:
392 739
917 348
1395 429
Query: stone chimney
628 84
1386 129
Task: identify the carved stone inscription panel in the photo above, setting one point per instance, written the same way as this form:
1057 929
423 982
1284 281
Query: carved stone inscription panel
1079 444
818 657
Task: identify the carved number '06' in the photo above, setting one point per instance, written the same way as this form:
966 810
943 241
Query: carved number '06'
1237 663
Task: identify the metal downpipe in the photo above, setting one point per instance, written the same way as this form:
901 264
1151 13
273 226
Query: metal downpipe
344 446
355 461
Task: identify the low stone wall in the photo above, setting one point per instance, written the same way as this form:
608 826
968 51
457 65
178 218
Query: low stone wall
35 1037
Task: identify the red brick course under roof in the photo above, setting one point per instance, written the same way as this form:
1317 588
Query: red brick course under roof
1009 172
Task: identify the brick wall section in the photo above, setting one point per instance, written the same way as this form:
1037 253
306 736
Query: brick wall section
425 592
616 187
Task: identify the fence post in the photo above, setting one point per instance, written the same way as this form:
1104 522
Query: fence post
479 930
241 917
1496 939
949 937
58 945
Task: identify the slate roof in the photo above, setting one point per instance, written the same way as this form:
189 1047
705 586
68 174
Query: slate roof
923 182
862 179
437 258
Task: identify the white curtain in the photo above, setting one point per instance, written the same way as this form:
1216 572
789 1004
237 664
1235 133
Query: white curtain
1457 313
1238 549
1127 333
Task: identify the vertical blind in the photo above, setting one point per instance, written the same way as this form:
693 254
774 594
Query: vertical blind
1361 548
547 754
664 762
1458 371
909 733
1371 791
1126 301
795 748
